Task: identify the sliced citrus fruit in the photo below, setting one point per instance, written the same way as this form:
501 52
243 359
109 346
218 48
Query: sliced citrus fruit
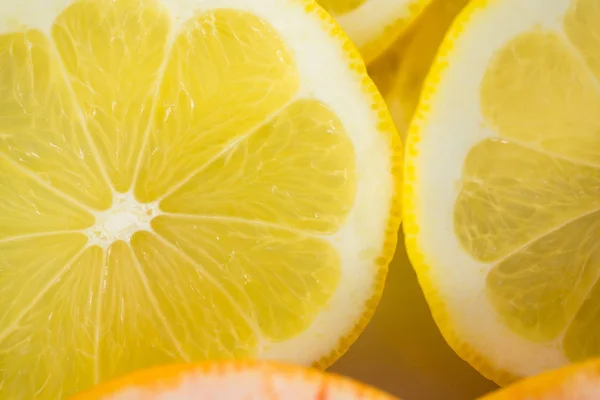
580 381
503 185
184 180
400 71
233 381
373 25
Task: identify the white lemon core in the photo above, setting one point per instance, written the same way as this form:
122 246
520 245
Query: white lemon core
125 217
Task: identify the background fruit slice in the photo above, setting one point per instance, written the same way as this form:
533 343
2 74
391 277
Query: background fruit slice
501 196
184 182
373 25
579 381
400 71
233 381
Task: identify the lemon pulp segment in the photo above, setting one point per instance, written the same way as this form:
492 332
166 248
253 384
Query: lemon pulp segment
167 193
112 57
530 196
224 76
39 132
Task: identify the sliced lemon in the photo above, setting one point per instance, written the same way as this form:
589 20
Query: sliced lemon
373 25
400 71
503 185
184 180
233 380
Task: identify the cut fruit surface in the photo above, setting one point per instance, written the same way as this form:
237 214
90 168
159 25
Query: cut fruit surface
580 381
180 180
233 381
373 25
502 192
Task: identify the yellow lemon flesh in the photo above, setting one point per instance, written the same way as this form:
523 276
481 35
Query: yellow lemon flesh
180 181
502 189
373 25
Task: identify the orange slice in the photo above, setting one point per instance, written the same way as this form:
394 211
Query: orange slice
233 381
575 382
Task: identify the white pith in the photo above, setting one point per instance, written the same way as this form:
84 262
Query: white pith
325 76
452 125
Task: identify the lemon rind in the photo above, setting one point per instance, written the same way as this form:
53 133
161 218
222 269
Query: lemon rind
387 128
410 226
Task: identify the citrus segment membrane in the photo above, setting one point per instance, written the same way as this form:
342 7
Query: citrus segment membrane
557 110
112 52
227 71
512 194
31 207
206 320
579 340
539 288
132 329
40 125
281 294
30 266
45 350
306 135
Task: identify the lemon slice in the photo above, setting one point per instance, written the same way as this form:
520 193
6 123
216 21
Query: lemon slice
233 380
373 25
184 180
400 71
503 185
